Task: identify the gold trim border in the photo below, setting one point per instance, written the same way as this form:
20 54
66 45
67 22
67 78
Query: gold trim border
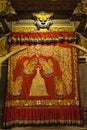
42 102
42 122
32 29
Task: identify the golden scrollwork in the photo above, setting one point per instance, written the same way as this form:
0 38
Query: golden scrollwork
2 4
84 7
3 46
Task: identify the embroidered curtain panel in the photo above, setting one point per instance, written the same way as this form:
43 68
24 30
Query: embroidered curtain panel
43 81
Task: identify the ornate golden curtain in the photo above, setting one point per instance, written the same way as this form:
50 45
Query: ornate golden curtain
43 81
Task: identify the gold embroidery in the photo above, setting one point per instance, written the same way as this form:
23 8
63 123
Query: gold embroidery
61 54
28 67
47 66
38 87
76 71
42 102
60 87
15 88
42 122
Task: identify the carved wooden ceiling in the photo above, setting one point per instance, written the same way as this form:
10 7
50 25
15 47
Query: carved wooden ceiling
44 5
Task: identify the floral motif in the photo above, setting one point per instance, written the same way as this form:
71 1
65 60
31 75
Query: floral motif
15 87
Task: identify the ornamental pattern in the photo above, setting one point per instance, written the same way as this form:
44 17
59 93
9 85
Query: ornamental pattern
62 55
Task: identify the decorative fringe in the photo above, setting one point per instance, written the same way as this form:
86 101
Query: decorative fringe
20 38
69 115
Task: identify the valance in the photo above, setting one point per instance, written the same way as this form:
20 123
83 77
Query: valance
42 37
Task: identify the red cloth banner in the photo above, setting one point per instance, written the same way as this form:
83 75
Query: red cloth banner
43 37
43 85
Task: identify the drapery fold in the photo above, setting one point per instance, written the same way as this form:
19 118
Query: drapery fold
64 115
43 81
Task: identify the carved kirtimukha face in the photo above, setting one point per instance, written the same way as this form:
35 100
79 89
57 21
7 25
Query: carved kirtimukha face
43 20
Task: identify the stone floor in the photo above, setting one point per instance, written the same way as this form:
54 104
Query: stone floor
50 128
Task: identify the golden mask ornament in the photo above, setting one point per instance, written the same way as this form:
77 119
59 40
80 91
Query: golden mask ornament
43 20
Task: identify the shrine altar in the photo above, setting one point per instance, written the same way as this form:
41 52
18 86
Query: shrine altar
43 80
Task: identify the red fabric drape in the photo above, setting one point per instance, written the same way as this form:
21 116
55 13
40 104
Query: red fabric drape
58 73
69 115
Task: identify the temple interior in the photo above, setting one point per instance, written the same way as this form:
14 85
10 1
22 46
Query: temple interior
43 64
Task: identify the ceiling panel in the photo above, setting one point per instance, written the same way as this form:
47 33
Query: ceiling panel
44 5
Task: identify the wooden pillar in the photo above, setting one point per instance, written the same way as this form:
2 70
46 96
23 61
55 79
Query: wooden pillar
3 87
